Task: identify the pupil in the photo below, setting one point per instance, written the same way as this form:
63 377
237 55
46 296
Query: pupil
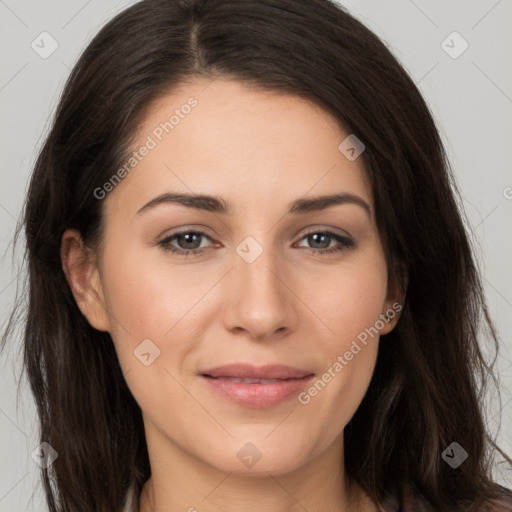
315 237
187 236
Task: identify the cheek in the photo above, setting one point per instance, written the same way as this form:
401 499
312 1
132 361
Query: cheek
166 301
350 306
157 301
348 298
148 297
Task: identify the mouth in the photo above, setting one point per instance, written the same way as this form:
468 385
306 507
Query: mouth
249 371
256 387
248 381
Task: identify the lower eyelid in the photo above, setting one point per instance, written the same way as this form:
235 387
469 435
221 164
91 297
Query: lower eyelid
343 240
166 241
333 236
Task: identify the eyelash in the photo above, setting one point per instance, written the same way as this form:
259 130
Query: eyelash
345 243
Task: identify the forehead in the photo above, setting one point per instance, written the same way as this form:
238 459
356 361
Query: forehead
249 146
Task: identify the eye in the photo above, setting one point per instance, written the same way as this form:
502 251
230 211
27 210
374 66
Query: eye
189 242
324 238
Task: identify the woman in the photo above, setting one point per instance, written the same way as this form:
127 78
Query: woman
188 343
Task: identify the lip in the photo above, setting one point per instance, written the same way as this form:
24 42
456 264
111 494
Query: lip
286 382
249 371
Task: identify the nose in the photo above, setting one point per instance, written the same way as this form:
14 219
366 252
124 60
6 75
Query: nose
260 295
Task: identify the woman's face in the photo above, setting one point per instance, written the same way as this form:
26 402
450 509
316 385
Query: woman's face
256 294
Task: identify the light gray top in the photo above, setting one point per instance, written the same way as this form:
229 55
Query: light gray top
131 504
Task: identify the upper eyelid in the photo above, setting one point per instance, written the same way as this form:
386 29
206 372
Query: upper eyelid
205 234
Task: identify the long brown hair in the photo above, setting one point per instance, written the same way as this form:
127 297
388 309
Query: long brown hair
428 386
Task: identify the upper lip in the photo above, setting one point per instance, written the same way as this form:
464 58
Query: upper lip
249 371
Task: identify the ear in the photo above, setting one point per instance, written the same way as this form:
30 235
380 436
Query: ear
79 266
394 302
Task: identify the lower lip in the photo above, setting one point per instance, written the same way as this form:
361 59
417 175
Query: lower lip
257 395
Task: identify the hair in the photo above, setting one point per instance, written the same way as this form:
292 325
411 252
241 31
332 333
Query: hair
428 386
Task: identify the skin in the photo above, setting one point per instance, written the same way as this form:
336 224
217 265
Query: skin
258 151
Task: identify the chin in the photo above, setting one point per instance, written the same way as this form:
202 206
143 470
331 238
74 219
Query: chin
258 455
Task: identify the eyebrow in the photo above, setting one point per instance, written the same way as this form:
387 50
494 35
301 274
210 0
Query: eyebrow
216 204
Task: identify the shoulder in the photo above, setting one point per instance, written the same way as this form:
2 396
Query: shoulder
405 499
503 502
409 499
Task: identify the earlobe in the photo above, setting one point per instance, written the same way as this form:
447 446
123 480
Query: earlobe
390 315
394 305
82 275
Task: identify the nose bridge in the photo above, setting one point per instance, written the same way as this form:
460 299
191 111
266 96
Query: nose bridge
261 303
256 266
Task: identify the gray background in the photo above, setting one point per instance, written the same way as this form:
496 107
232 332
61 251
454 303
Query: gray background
470 97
